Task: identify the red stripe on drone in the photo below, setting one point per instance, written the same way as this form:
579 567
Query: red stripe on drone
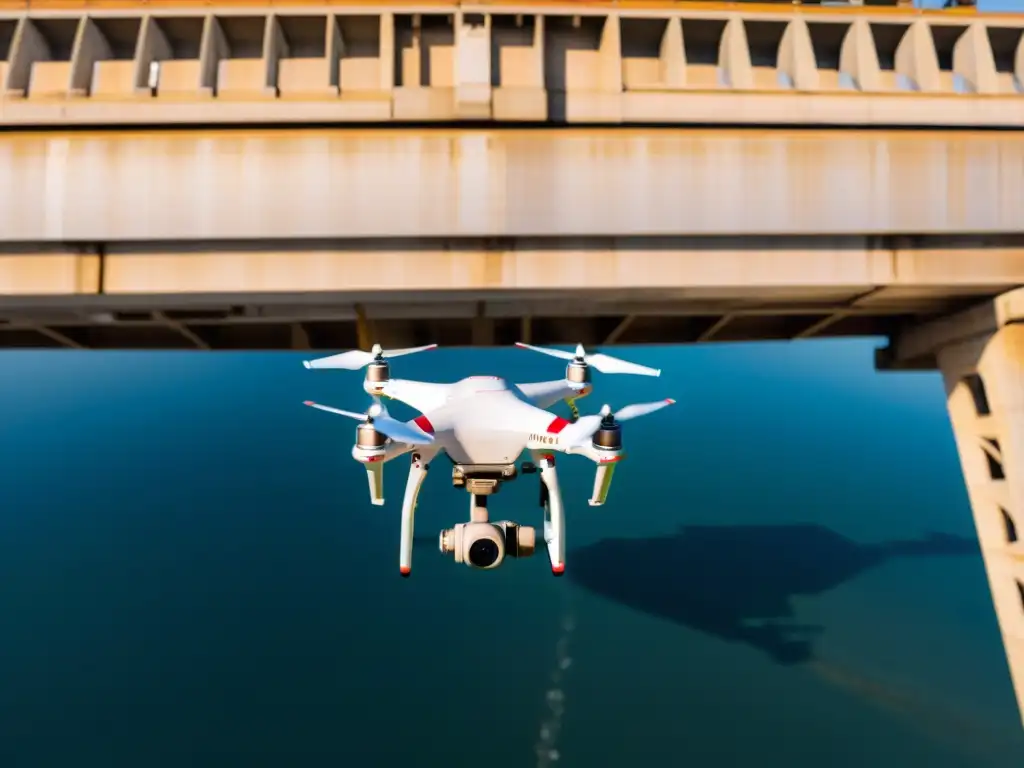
557 425
424 423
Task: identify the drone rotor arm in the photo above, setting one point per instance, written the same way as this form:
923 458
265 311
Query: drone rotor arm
401 432
545 394
578 434
398 431
577 438
422 396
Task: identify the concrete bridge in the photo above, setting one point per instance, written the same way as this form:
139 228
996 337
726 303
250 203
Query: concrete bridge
571 186
328 176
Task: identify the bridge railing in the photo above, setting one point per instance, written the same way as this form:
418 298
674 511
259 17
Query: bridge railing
101 63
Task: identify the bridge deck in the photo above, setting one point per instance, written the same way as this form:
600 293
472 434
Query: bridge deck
112 63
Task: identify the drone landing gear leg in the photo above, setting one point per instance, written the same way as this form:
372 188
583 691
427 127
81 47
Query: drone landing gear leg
554 513
417 473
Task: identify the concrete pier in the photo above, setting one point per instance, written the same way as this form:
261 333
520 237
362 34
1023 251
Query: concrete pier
981 355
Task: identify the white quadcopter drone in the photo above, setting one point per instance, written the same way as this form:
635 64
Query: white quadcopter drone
483 424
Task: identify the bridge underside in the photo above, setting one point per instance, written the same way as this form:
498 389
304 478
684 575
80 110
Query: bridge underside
339 321
462 321
323 238
458 292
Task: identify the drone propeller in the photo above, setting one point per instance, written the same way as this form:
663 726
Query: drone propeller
377 416
583 429
356 359
601 362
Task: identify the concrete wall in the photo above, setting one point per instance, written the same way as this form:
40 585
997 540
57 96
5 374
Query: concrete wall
395 183
439 62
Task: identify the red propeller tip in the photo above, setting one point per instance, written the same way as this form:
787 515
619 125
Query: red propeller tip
669 401
308 402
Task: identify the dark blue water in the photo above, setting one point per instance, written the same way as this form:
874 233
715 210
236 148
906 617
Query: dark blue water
191 574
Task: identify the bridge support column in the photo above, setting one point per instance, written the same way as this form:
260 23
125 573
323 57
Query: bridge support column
981 355
985 395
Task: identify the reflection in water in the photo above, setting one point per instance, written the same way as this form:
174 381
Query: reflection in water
247 611
959 730
551 726
737 582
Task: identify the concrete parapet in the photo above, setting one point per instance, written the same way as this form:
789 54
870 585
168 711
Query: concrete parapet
575 64
518 80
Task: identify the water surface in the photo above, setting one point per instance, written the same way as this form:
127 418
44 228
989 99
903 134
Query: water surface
191 574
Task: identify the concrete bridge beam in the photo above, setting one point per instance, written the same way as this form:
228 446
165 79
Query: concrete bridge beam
895 273
184 186
629 289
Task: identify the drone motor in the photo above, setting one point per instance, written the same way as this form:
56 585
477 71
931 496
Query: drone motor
377 375
370 444
608 437
577 373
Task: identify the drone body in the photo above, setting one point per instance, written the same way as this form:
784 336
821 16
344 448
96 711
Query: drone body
483 424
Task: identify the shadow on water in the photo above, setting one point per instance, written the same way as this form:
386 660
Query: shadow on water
736 582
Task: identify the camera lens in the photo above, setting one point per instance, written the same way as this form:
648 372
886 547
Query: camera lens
483 553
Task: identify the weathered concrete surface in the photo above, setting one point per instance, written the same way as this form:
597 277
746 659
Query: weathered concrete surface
631 63
820 270
184 186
